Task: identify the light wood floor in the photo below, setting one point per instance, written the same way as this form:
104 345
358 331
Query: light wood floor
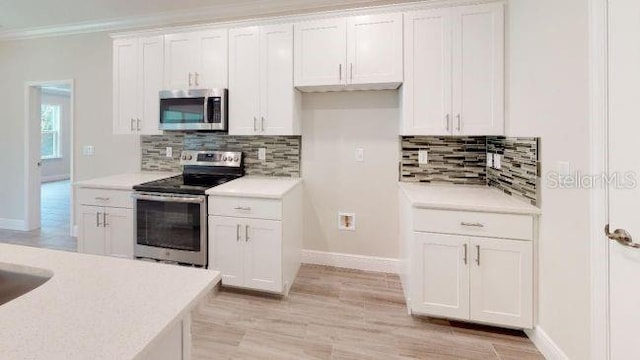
341 314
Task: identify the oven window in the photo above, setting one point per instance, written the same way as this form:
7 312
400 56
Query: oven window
169 225
182 111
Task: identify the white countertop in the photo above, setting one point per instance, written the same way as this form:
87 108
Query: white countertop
94 307
124 181
465 197
256 186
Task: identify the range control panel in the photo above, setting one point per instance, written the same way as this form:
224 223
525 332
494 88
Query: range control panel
211 158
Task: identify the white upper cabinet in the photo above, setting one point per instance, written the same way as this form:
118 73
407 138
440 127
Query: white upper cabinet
374 51
196 60
362 52
137 79
454 71
264 101
320 53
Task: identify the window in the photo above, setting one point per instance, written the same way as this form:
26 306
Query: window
50 127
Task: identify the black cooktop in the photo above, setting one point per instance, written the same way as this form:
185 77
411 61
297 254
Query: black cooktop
185 184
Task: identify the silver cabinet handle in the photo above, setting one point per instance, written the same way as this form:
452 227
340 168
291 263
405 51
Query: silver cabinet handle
99 198
465 254
255 127
351 71
476 224
189 79
104 219
448 121
262 123
622 236
196 78
131 124
340 71
98 219
459 122
238 232
245 208
138 124
478 255
246 233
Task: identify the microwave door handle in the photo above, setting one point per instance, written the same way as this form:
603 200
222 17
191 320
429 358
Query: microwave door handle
207 118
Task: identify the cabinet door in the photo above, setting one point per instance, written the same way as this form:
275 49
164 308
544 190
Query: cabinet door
150 68
277 94
263 255
374 49
244 81
226 243
478 69
118 224
502 282
442 276
213 60
320 53
91 238
125 85
426 91
180 60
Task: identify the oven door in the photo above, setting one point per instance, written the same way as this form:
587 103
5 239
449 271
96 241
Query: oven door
184 110
171 227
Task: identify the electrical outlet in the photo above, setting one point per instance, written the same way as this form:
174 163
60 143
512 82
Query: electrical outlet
88 150
169 151
423 157
262 154
346 221
359 154
497 161
489 160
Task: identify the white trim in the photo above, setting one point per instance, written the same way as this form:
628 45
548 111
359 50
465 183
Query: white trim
544 343
12 224
215 15
52 178
598 119
351 261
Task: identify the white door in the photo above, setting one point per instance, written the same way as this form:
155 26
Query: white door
118 225
125 85
501 282
443 275
91 237
320 53
213 60
263 255
150 70
277 94
427 64
624 110
226 243
478 70
244 81
374 49
180 60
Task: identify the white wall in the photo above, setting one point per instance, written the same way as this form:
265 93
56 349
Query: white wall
333 126
59 168
548 97
87 60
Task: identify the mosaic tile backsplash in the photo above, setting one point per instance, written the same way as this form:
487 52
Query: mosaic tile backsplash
283 152
518 175
462 160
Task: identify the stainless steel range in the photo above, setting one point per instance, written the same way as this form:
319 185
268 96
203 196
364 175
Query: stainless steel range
171 214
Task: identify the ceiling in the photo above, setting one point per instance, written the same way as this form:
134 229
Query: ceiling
33 18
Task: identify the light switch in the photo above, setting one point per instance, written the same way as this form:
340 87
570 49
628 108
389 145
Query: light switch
489 160
169 151
359 154
423 157
564 168
88 150
262 154
497 161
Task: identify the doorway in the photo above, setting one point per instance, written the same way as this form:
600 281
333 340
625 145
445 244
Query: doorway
49 163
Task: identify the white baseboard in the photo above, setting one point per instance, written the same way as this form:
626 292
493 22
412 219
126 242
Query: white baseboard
350 261
12 224
52 178
545 344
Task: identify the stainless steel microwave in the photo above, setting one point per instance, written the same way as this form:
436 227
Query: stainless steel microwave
197 109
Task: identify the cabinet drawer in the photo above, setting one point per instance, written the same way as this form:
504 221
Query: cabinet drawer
508 226
245 207
102 197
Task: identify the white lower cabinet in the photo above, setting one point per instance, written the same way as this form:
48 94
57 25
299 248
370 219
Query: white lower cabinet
476 278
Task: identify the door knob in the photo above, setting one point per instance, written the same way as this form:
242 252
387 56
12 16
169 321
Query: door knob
621 236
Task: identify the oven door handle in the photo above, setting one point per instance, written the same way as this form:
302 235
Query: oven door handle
176 199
